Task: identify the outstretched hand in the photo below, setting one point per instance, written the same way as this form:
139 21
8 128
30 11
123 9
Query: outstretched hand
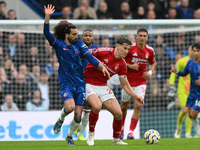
173 69
49 10
105 72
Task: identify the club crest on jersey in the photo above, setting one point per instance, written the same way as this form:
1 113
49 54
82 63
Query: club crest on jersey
117 66
65 94
76 52
147 55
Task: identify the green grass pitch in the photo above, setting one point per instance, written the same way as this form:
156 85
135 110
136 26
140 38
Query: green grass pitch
165 144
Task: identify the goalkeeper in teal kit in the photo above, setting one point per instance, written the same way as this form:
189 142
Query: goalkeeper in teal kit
193 100
70 52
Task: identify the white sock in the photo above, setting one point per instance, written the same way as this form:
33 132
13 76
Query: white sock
73 126
85 120
63 114
195 124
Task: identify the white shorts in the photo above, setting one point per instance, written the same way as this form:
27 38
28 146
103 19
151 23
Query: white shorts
104 93
140 90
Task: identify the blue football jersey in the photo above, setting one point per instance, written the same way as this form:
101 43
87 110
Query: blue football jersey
194 70
70 58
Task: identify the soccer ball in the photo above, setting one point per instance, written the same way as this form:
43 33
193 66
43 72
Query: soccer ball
152 136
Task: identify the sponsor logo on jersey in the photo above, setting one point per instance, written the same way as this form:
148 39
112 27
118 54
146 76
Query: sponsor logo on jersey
76 52
65 49
138 60
84 46
135 54
65 94
106 60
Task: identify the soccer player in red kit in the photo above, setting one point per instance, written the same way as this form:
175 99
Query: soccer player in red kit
98 94
139 55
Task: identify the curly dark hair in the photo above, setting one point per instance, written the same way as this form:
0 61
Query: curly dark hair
62 28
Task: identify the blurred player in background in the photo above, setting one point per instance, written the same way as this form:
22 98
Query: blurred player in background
182 93
87 38
137 58
70 52
98 94
193 100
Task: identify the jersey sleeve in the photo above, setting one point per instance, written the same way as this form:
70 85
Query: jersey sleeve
94 52
52 40
173 75
185 71
152 57
123 70
172 78
85 52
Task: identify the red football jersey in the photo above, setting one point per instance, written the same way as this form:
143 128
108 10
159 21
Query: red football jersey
141 56
113 65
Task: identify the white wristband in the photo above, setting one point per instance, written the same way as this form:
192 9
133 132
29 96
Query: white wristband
150 72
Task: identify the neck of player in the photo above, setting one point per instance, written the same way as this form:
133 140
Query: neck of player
140 45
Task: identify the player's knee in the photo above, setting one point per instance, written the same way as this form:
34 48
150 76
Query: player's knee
77 118
118 115
192 116
69 108
124 107
137 107
96 109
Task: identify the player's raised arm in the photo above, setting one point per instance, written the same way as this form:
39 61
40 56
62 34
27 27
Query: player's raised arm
49 10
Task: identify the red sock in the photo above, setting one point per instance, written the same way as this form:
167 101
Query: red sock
92 120
117 125
133 124
123 121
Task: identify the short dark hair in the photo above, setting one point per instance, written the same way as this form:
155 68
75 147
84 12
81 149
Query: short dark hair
123 40
142 30
196 45
3 2
86 31
62 28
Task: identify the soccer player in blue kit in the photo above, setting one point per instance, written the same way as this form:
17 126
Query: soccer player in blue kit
70 52
193 100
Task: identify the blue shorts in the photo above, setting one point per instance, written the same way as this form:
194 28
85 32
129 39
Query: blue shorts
75 92
194 103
